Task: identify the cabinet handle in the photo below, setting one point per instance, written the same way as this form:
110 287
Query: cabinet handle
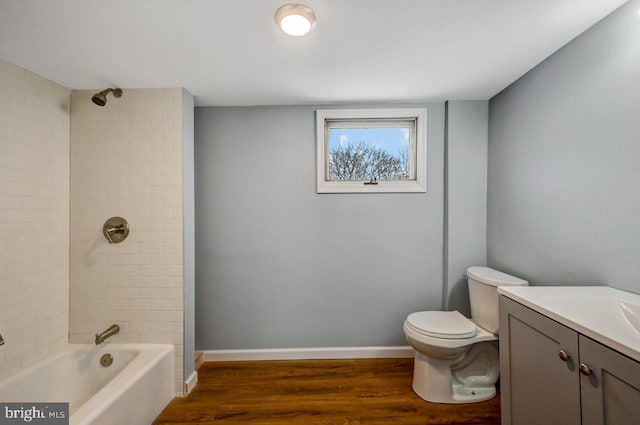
584 369
563 355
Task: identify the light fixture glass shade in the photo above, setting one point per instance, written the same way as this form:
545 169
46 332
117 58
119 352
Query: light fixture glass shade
295 19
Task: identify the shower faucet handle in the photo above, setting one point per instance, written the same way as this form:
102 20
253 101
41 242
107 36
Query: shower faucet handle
115 229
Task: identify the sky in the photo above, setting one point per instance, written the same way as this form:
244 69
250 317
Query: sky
393 140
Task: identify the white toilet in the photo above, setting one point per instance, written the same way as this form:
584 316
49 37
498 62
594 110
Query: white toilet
456 359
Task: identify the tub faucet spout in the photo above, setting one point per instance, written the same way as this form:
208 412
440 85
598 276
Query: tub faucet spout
111 331
1 340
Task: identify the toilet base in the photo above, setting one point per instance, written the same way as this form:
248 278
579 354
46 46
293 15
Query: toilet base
432 381
462 394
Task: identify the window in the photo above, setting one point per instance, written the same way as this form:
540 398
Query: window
371 150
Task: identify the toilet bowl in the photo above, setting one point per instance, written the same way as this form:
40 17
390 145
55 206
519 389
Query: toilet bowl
456 358
452 368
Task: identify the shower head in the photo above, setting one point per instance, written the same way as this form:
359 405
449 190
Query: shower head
100 99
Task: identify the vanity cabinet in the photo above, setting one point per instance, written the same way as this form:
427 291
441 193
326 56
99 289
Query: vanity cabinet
551 374
610 393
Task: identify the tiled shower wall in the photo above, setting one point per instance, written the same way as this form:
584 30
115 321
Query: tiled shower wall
126 160
34 217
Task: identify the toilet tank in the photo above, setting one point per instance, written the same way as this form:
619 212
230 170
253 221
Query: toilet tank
483 294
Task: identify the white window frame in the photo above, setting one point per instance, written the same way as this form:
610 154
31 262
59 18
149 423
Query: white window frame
324 117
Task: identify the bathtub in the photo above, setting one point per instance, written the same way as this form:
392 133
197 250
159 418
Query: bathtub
133 390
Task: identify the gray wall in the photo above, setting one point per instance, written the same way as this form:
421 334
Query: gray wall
465 197
188 222
564 162
278 265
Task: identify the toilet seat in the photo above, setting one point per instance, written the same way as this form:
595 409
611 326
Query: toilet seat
442 324
445 343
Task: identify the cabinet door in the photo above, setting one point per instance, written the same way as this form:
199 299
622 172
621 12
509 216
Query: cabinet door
537 386
611 392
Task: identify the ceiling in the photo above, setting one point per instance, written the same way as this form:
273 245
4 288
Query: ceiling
230 52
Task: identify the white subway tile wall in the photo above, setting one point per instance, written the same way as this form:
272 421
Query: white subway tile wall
126 160
34 217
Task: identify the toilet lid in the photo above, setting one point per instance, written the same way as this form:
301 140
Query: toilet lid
442 324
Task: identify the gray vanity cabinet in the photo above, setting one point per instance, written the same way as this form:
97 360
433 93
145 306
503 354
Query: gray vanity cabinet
550 374
536 386
611 390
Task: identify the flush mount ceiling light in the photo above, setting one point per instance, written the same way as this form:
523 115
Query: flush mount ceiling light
295 19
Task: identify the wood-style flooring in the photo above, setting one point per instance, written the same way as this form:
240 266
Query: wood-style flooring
316 392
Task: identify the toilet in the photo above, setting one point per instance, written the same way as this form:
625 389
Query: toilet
456 359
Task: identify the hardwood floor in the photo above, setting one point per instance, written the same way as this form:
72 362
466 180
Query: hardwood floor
316 392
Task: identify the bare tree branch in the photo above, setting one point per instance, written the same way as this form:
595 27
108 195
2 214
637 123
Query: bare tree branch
362 162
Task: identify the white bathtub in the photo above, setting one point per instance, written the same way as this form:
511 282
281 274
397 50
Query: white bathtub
132 391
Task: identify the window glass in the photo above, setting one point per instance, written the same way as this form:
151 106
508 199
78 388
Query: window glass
380 153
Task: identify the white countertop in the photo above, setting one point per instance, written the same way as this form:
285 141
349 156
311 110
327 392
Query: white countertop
607 315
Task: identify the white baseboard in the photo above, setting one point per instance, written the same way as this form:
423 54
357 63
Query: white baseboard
190 383
308 353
